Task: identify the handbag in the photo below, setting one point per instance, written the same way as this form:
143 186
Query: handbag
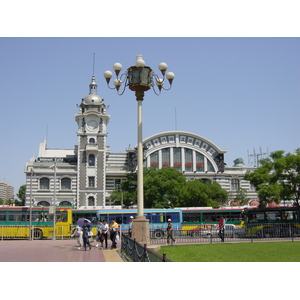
90 234
117 237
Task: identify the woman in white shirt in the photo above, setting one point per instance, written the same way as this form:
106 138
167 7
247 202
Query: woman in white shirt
102 233
78 233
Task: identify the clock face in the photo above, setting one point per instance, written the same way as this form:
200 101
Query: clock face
92 125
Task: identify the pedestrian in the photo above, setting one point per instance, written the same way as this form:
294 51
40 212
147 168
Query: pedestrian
99 234
86 228
105 229
78 233
170 232
113 231
222 223
130 226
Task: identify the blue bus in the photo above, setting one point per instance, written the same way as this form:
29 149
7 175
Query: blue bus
158 219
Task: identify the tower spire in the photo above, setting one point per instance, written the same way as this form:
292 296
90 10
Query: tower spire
93 84
93 63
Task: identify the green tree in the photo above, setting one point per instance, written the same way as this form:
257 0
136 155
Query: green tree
126 192
278 178
162 187
241 197
21 195
199 193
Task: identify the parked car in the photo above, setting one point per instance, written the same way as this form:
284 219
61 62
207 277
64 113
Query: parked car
197 231
278 230
230 231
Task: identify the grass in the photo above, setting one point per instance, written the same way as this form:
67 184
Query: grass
234 252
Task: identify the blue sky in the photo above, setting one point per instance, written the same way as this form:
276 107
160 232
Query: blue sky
240 93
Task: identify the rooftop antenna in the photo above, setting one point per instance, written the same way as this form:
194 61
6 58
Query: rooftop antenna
93 63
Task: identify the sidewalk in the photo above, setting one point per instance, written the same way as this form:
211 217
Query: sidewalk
54 251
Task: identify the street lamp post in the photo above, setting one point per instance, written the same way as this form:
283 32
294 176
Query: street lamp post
30 206
140 78
54 201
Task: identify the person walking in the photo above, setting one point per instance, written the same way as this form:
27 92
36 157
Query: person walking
170 232
222 223
99 234
113 231
130 226
78 233
86 228
105 229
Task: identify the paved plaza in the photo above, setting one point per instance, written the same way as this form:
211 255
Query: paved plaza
54 251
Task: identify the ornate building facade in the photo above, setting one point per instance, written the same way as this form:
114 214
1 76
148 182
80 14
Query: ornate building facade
85 176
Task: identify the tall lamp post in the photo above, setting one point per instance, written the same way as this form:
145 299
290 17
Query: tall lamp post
30 207
53 167
139 78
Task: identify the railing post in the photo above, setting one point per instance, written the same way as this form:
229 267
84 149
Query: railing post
145 252
164 257
134 250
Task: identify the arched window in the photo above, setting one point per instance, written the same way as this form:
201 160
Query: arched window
92 141
91 160
43 203
91 201
66 184
235 184
65 203
44 183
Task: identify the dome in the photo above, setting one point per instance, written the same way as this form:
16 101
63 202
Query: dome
92 99
239 162
254 203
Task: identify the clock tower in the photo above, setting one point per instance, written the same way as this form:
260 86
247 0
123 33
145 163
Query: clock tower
92 121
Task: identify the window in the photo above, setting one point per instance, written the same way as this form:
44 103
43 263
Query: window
177 158
65 203
91 201
92 141
191 217
66 184
2 216
118 183
154 160
43 203
199 162
165 157
44 183
235 184
91 181
91 160
17 216
188 160
210 167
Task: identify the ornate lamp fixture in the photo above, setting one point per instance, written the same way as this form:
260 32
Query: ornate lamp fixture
139 78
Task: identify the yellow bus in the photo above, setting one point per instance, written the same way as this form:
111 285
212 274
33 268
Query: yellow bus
15 222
